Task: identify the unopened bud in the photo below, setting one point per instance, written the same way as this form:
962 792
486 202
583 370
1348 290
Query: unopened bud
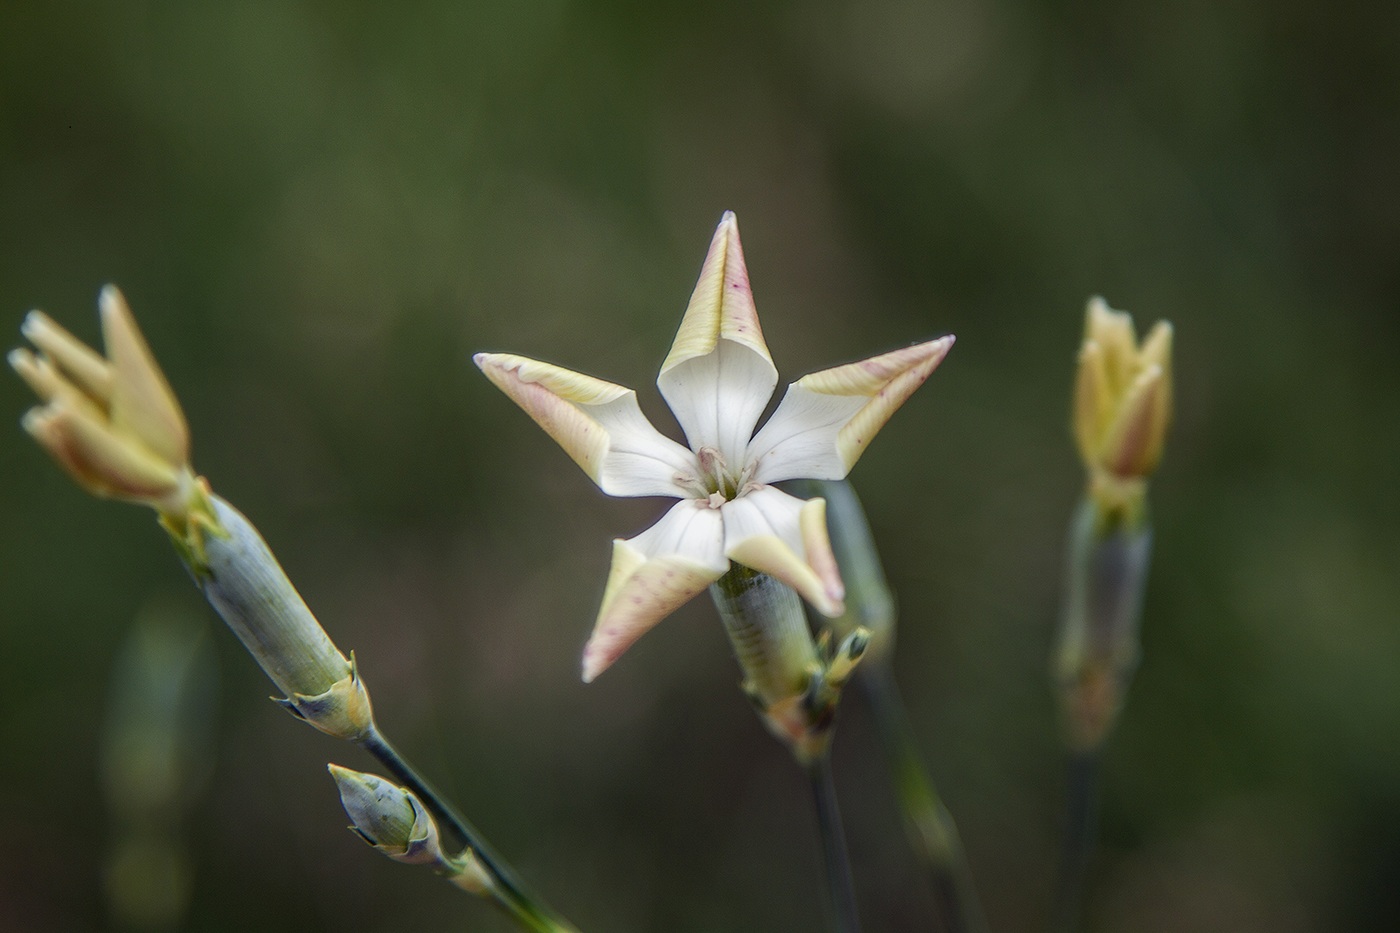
113 422
1122 403
388 817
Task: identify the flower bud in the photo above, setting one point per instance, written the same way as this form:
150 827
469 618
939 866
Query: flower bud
388 817
113 422
1122 403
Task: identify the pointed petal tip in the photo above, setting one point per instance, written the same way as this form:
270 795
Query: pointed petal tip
592 664
601 652
36 422
32 321
110 301
934 351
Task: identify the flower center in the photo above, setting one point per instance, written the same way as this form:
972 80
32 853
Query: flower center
715 476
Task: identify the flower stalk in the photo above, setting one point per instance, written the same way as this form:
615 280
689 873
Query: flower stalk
870 604
1122 409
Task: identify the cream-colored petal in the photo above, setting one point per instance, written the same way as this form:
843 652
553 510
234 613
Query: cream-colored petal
786 538
1093 401
101 461
598 424
719 375
827 419
1157 350
652 576
142 400
40 373
1133 444
82 365
1113 331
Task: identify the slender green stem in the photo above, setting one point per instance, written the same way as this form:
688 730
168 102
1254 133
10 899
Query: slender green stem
1081 834
931 828
839 884
508 890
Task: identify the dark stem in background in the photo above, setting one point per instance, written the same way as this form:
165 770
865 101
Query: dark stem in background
512 894
1081 831
931 828
834 854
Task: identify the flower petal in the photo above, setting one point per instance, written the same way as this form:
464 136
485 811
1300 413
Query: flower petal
652 576
719 376
1113 331
1157 348
786 538
101 461
1133 443
1093 401
597 423
82 365
826 420
142 400
50 383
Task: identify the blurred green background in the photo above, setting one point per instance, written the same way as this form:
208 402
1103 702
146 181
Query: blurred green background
319 210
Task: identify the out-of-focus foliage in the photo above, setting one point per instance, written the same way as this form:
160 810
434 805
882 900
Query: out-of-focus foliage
318 210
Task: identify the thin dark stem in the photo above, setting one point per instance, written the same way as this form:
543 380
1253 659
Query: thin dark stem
839 885
931 828
1081 835
509 891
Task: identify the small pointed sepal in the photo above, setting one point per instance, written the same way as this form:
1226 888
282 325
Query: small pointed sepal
805 721
343 711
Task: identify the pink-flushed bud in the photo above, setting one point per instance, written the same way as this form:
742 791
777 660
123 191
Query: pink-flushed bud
112 422
1122 400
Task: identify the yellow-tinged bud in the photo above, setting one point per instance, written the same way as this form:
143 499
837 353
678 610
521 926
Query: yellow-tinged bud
388 817
113 422
1122 403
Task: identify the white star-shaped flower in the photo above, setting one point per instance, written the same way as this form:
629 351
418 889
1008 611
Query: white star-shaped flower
717 379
